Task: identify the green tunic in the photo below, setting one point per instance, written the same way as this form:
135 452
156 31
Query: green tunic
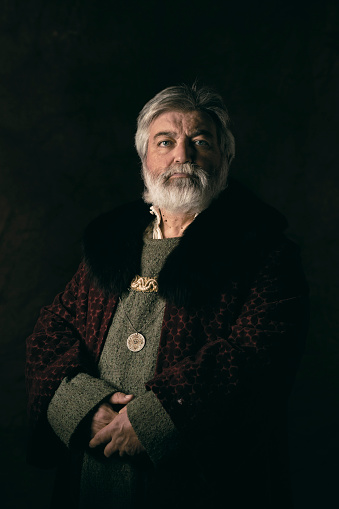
121 479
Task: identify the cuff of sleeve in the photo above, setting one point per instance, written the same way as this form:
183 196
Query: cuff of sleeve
72 402
153 426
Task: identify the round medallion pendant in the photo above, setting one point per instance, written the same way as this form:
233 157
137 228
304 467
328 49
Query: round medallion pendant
136 342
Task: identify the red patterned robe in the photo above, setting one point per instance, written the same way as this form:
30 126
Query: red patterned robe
232 336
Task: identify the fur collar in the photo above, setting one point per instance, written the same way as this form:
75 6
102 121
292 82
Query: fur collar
223 243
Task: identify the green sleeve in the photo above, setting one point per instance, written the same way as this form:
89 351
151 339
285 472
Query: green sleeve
74 399
153 426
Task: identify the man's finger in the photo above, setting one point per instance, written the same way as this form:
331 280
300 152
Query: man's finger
102 437
119 398
111 448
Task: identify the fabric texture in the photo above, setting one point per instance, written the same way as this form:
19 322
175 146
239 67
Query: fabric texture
232 337
129 371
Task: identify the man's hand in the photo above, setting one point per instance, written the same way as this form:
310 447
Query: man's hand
106 413
119 437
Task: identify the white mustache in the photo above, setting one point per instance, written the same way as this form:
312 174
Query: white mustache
190 169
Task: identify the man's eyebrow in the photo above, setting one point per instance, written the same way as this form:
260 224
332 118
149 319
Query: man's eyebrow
173 134
165 133
200 132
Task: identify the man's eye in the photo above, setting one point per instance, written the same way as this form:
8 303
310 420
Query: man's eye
201 143
164 143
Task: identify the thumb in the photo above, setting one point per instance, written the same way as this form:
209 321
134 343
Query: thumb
120 398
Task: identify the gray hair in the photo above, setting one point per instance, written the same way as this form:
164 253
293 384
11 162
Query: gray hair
186 98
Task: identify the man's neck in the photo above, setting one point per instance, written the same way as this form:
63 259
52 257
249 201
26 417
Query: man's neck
173 224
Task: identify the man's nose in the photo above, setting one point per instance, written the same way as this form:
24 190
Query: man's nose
184 153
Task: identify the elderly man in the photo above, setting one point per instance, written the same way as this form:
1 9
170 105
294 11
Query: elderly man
161 374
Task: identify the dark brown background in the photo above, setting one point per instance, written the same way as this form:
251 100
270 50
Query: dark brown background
73 77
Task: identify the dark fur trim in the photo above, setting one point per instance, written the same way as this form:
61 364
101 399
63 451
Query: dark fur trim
226 238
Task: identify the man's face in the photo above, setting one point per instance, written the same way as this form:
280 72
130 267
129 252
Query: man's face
184 169
180 137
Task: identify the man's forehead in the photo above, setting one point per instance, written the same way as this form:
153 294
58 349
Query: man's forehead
179 122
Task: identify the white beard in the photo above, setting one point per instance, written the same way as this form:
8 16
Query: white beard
184 195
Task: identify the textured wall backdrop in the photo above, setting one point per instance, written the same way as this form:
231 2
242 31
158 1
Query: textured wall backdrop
73 77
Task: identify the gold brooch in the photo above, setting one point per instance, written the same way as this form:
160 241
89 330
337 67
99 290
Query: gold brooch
144 284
